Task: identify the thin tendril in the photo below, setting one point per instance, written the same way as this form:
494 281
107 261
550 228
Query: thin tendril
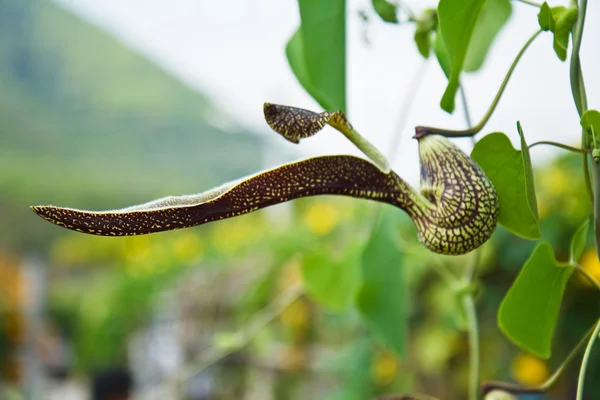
468 300
424 130
471 314
562 146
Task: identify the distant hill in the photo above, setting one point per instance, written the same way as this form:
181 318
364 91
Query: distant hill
87 122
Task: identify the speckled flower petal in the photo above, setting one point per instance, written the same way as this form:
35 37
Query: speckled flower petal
340 175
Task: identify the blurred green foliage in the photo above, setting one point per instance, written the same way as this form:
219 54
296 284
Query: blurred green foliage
87 121
103 291
90 128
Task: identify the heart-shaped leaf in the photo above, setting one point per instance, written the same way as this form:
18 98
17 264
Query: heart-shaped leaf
530 309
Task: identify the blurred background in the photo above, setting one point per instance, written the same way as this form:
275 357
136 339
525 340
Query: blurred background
105 104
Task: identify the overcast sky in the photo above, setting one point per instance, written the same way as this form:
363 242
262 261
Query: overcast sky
234 52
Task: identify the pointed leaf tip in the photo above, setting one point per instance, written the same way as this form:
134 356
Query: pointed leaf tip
510 172
578 242
468 28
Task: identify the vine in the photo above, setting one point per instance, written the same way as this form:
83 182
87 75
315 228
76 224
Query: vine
462 197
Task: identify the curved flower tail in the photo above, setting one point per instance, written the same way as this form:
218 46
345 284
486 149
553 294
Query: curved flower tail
336 175
456 211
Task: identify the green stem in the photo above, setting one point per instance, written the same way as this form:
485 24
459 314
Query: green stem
467 300
562 146
586 175
471 315
424 130
368 149
576 75
590 278
471 268
584 362
463 99
580 98
531 3
518 389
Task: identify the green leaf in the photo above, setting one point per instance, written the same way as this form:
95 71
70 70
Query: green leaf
510 172
468 28
545 18
294 52
578 242
386 10
529 312
426 26
382 298
441 53
332 281
353 366
493 16
317 52
591 120
564 20
457 19
558 20
423 41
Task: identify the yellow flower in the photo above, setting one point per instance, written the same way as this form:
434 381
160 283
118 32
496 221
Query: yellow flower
321 218
230 236
187 247
529 370
555 180
589 262
384 368
544 207
296 315
136 249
